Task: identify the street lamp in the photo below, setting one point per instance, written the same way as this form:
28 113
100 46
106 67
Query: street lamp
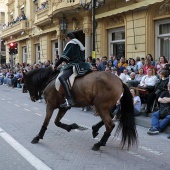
63 24
91 5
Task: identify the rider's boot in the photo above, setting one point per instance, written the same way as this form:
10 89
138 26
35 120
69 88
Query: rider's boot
69 100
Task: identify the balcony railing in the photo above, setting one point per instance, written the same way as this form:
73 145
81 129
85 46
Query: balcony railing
41 17
15 29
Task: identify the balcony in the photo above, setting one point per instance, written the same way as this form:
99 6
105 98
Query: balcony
66 6
15 29
42 18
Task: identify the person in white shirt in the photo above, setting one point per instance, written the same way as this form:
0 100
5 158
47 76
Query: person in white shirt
150 79
124 76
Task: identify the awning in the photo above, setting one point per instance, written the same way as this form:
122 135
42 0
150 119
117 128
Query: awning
127 8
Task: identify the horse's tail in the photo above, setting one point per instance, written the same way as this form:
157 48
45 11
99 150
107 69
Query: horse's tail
127 119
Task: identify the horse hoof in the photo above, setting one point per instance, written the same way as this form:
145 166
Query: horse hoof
35 140
74 126
94 134
96 147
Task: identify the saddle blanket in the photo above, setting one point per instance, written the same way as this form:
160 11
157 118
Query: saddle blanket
71 79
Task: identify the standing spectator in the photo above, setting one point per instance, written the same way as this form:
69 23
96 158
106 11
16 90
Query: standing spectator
103 64
147 66
161 64
163 113
136 101
139 63
113 59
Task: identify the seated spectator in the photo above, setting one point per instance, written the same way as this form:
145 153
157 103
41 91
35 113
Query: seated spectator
132 67
124 76
139 63
114 71
103 64
161 64
147 66
108 69
136 101
16 80
149 80
2 75
8 77
149 57
136 81
159 88
163 113
122 64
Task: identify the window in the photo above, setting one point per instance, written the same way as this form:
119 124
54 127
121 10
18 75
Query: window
24 54
162 39
117 42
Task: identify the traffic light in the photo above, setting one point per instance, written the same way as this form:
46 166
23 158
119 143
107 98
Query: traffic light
13 48
16 48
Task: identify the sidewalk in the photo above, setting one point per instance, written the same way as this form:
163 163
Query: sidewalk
144 121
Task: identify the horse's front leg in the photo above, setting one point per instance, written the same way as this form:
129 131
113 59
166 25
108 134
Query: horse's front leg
109 124
57 122
49 112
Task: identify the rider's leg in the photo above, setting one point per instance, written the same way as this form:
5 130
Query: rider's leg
63 80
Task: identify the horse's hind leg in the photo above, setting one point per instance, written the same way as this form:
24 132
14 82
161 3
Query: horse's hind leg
49 112
57 122
96 127
109 124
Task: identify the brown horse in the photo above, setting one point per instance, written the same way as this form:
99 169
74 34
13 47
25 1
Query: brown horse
101 89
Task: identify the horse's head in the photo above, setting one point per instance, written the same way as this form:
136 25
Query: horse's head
33 91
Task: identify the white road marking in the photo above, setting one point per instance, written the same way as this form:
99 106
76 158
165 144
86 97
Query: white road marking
27 110
33 160
9 102
36 108
38 114
137 155
17 105
76 130
2 99
150 150
66 119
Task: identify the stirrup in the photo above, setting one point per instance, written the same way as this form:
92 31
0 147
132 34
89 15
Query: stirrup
67 104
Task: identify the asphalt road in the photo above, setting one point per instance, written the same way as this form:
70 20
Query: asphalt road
21 120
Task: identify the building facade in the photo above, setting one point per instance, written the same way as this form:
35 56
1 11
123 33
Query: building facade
2 21
123 28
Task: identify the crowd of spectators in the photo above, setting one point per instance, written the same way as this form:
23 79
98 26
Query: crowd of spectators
148 82
44 5
14 21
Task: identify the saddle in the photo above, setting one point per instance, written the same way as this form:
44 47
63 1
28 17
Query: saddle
70 80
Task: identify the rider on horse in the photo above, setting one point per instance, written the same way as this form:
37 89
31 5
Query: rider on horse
73 55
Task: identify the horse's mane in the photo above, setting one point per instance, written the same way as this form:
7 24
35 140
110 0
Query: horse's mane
40 76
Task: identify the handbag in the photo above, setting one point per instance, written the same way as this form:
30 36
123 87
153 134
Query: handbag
164 111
